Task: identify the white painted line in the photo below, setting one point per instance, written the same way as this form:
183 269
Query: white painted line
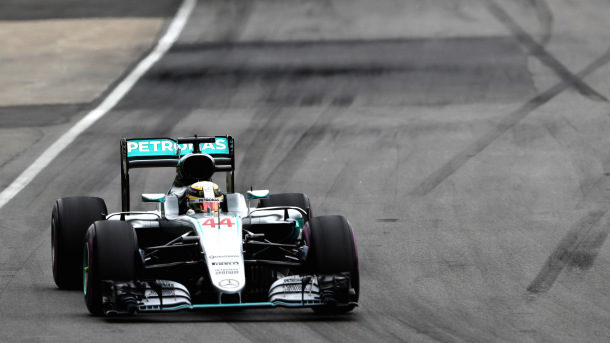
109 102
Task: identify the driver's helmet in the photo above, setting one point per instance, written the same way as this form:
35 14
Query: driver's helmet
204 196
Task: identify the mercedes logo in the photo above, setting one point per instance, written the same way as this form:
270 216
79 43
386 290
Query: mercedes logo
228 283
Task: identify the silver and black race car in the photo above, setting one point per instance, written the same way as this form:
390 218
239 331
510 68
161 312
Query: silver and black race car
276 254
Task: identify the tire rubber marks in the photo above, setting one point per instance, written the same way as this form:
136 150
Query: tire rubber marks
541 54
578 248
450 167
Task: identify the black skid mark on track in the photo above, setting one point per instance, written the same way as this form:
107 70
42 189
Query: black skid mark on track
545 16
269 73
578 248
307 73
508 122
584 255
542 55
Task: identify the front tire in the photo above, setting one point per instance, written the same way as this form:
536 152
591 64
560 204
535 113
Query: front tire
333 256
69 222
110 253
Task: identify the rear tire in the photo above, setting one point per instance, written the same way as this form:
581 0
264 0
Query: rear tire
300 200
69 222
332 251
110 253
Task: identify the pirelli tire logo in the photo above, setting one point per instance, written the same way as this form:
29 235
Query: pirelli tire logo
225 267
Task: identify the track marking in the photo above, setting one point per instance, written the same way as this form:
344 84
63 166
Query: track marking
541 54
545 17
508 122
574 249
113 98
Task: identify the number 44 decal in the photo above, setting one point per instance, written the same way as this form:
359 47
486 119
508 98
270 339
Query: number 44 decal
211 222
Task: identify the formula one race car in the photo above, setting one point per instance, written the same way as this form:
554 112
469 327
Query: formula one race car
201 248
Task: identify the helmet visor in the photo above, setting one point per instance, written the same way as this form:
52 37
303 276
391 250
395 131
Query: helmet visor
204 204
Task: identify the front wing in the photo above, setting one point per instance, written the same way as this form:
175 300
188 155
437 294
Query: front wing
170 296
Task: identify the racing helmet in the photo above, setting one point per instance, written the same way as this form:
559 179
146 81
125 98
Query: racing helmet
204 196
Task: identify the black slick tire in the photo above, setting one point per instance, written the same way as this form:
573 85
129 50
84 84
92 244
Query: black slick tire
332 250
110 253
70 219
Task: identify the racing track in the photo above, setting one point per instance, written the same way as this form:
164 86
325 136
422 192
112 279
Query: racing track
466 141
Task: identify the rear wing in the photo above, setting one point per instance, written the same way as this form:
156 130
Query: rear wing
166 152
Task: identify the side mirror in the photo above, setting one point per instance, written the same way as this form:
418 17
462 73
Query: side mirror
257 194
170 208
153 197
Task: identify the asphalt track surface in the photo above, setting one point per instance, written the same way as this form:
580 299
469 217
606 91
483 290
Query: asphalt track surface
466 141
